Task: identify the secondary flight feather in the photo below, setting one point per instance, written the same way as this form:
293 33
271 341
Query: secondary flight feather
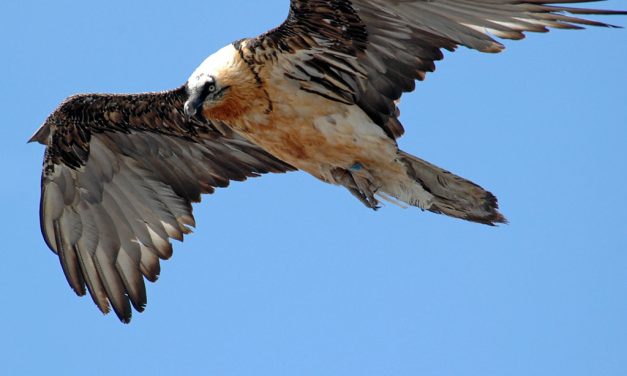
319 94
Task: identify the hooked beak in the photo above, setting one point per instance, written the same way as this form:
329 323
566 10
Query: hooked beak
197 95
192 104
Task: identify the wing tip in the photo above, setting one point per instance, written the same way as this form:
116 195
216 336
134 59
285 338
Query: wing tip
41 135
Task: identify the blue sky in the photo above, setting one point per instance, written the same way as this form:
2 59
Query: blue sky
288 276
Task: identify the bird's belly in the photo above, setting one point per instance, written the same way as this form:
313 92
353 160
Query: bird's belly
318 137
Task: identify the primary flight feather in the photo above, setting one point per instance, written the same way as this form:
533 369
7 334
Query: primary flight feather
319 93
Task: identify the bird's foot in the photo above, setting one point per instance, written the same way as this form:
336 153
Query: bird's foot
359 182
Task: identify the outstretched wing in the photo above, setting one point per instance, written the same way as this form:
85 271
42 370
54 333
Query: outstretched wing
120 174
368 52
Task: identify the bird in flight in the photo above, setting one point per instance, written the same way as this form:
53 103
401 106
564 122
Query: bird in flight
319 93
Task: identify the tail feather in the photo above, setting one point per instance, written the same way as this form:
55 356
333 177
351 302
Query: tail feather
452 195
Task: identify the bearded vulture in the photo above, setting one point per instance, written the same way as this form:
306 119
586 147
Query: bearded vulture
319 94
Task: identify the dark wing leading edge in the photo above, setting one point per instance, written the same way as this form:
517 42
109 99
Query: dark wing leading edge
120 173
368 52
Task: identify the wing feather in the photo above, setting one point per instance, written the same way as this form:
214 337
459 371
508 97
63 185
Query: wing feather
105 255
120 174
369 52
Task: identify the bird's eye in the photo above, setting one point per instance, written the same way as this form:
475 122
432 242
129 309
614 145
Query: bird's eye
209 88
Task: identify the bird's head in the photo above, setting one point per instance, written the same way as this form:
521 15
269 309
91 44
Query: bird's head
222 87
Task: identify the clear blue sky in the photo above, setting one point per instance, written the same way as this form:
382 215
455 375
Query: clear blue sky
289 276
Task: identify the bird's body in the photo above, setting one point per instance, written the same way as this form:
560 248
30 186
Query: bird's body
310 132
320 94
326 139
315 134
335 142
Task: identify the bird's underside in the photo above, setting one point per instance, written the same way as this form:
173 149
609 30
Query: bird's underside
319 93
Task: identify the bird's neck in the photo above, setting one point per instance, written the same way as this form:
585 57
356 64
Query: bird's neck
247 96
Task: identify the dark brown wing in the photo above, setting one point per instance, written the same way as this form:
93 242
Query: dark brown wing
368 52
120 174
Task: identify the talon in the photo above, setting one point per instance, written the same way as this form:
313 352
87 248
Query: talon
361 184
